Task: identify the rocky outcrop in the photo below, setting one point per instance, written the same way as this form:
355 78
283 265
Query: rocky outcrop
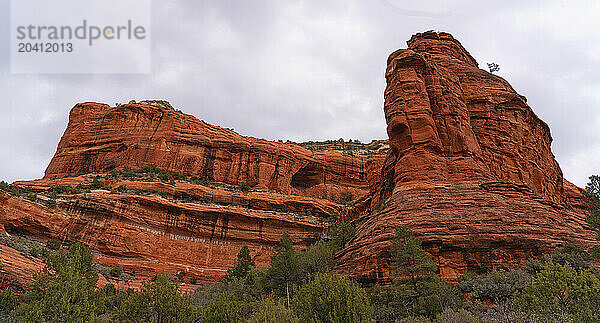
229 191
469 169
17 269
147 234
100 137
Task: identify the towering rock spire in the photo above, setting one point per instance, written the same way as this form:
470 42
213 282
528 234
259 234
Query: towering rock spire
469 169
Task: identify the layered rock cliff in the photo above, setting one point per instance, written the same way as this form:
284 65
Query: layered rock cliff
100 137
470 170
221 191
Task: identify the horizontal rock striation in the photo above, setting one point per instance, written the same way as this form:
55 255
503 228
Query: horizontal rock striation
146 234
468 167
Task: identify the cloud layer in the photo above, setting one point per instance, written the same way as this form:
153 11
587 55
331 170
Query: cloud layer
306 70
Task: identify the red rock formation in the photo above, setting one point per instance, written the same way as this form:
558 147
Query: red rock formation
16 270
100 137
469 169
173 227
147 234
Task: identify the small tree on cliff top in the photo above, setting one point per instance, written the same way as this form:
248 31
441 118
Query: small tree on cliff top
493 67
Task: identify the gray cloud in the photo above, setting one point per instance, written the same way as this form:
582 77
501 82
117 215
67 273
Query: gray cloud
305 70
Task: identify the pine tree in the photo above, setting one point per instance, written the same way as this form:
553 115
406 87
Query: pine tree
592 194
418 289
411 263
561 293
326 298
65 290
242 266
157 301
285 267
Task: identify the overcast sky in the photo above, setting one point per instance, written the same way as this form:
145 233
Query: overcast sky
314 70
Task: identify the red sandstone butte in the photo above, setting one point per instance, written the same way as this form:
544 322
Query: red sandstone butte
194 228
469 170
100 137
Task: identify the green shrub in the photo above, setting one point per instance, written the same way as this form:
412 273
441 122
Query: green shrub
388 305
559 290
146 173
94 185
65 189
414 319
65 290
244 187
272 311
244 292
28 248
157 301
223 309
326 298
595 253
229 299
116 271
497 286
120 189
346 198
53 243
15 190
127 173
51 203
200 181
8 303
570 254
318 258
451 316
340 233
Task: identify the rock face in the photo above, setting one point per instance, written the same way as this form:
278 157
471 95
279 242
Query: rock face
192 226
147 234
100 137
17 270
469 169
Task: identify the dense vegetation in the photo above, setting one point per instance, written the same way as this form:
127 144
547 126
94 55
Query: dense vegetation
298 287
